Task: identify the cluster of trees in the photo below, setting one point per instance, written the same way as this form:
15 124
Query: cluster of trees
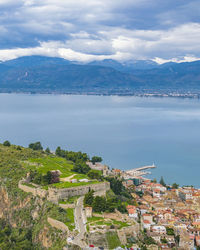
103 204
15 238
82 168
174 185
72 156
95 174
36 146
76 156
49 178
96 159
118 188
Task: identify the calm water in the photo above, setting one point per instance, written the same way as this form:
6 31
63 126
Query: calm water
127 132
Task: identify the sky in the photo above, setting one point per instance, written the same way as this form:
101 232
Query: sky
87 30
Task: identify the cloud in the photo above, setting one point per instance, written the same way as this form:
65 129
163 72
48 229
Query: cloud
95 29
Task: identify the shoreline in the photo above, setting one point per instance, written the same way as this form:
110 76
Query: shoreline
147 95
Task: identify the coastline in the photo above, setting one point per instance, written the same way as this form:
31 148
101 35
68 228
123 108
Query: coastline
147 94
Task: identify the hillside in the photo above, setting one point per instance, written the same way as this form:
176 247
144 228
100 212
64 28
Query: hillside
39 74
31 217
24 215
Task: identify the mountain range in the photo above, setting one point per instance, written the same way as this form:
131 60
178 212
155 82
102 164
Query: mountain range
39 74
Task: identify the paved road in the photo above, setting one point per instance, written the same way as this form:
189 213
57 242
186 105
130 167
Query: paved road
80 221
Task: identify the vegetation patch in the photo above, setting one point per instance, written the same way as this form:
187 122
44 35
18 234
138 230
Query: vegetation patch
113 240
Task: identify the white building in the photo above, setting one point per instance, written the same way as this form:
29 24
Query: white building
158 229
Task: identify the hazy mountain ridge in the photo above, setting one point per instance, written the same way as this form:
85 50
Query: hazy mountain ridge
46 74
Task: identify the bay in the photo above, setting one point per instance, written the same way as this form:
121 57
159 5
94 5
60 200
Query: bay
128 132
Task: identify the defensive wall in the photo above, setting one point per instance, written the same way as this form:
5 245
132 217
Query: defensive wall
58 224
54 195
36 191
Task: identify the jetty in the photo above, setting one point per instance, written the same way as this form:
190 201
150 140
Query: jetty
136 172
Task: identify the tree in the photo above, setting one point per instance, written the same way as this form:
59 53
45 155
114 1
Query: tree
81 167
177 239
116 185
175 186
111 204
96 159
58 151
46 179
122 208
36 146
154 180
89 198
7 144
162 182
94 174
164 241
47 150
170 231
99 204
55 177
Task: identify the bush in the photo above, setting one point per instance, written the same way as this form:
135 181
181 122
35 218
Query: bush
36 146
7 144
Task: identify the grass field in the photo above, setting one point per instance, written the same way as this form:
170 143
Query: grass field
69 184
108 222
49 163
113 240
70 219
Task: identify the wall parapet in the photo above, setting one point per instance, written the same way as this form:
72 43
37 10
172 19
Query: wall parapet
54 195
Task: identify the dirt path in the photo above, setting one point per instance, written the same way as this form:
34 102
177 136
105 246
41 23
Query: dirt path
67 179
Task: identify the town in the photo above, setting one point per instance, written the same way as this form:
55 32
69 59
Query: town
168 215
91 206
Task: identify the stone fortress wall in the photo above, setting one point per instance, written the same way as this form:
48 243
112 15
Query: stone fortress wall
36 191
58 194
54 195
58 224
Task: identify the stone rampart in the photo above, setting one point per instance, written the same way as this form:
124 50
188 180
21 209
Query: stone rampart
36 191
65 206
54 195
58 224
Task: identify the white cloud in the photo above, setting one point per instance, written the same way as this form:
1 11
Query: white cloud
98 29
188 58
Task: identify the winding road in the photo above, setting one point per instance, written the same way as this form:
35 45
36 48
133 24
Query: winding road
80 221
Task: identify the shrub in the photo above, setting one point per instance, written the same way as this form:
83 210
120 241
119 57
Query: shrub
7 144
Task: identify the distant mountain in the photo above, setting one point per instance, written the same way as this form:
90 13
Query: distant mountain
50 75
34 61
128 66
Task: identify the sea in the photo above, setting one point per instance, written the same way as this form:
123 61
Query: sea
127 132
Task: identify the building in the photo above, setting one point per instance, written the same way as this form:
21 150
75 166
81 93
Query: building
148 217
156 193
185 194
158 229
132 211
99 166
88 211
